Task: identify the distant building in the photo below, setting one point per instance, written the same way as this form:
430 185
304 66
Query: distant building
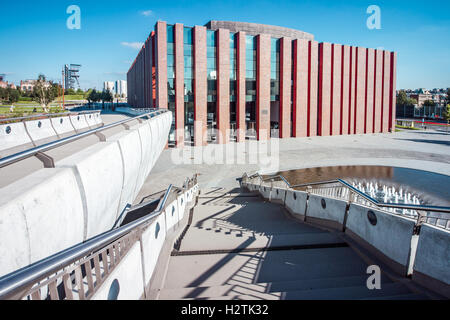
5 84
121 88
262 81
109 86
71 75
27 85
438 99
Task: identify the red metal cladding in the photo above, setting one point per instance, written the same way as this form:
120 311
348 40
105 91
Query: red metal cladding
386 88
161 65
335 99
263 87
240 87
345 91
179 85
313 87
223 85
285 87
300 92
378 89
153 69
370 78
149 73
360 90
351 99
200 87
324 89
392 92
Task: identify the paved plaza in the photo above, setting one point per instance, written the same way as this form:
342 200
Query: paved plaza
424 150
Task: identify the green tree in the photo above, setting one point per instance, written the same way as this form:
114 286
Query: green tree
13 95
93 96
447 114
106 96
403 100
69 92
2 94
429 103
44 92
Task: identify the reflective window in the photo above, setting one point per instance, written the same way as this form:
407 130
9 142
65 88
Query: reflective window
188 50
187 35
170 33
274 69
171 71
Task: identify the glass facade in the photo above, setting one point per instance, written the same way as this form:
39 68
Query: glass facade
211 70
250 82
171 76
188 49
275 70
233 72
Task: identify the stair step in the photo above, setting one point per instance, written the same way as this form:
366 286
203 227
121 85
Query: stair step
233 240
271 266
342 293
233 287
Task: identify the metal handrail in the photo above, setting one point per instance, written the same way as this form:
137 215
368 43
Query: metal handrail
54 144
18 281
49 115
353 189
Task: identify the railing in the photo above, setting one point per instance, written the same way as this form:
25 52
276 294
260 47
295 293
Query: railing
47 116
343 190
39 150
78 272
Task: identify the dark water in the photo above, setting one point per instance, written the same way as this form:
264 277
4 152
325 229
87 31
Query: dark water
433 188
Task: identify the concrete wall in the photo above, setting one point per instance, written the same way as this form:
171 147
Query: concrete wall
333 211
432 259
135 270
44 129
296 202
40 129
13 135
391 235
277 195
62 125
83 196
390 239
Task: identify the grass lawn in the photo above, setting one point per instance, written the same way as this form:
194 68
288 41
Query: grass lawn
23 111
407 128
70 97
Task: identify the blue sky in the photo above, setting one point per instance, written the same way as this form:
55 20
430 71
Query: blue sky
34 38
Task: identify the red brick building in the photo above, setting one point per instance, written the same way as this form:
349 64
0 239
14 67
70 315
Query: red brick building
231 81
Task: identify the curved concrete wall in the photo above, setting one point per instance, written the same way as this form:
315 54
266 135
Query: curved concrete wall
13 135
79 122
432 259
40 214
48 128
40 129
62 125
81 197
136 269
391 235
390 238
296 202
333 210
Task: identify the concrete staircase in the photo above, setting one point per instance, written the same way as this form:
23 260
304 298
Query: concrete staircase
239 247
